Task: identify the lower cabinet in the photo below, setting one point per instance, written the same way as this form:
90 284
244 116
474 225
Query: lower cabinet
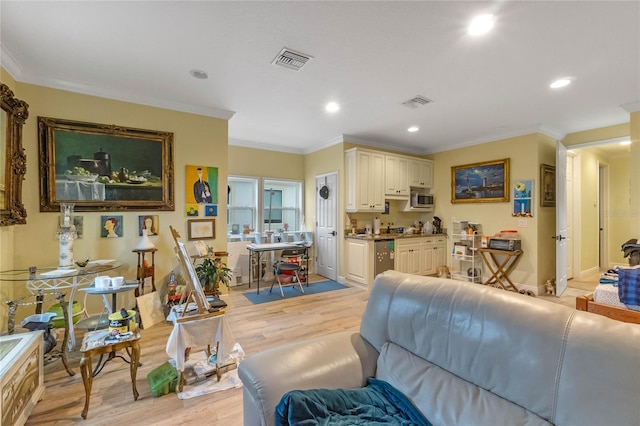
359 261
420 255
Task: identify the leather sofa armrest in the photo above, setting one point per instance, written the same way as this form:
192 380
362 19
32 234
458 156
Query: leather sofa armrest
342 360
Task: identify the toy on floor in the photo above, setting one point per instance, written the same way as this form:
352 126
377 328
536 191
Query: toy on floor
550 286
443 272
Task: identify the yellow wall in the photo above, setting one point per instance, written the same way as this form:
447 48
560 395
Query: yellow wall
523 152
546 216
262 163
596 135
619 217
198 140
634 133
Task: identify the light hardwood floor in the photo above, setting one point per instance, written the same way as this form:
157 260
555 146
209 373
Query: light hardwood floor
255 327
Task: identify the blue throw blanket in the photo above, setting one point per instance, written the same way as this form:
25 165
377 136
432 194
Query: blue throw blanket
378 403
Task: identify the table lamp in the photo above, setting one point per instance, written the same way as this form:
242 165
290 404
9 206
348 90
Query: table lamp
66 235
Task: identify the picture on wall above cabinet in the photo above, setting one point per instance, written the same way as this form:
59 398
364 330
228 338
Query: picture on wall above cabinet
102 167
483 182
150 223
202 185
111 226
522 198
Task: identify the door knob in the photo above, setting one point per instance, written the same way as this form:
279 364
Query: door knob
334 233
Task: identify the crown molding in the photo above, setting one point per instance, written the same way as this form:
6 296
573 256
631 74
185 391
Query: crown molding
9 63
552 133
264 146
381 145
631 107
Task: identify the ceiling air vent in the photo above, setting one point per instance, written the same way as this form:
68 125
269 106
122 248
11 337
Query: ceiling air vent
291 59
416 101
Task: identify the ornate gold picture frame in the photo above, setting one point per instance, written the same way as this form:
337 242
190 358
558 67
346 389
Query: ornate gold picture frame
485 182
104 167
13 161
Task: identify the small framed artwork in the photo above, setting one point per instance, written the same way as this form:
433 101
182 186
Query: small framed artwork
484 182
111 226
211 210
201 229
149 222
202 185
547 185
191 210
522 191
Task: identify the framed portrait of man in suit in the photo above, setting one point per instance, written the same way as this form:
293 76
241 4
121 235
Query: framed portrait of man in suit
202 185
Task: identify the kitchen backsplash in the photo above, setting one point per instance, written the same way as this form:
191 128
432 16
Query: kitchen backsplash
395 218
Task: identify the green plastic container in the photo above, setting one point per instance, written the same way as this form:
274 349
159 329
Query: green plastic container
163 380
58 320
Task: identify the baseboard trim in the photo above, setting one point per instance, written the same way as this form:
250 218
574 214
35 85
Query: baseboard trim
594 270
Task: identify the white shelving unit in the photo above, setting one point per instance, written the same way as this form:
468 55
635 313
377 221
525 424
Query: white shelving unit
466 261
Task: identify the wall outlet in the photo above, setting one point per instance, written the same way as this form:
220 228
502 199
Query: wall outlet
522 223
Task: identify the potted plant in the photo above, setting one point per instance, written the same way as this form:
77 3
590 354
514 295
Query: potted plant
211 272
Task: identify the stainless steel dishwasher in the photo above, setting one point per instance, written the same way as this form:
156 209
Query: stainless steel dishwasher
384 256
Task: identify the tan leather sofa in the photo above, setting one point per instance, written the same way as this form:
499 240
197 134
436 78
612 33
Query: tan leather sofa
466 355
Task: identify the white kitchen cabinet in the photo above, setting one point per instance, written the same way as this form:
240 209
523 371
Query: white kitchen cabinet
408 255
421 173
434 254
396 177
364 180
359 255
420 255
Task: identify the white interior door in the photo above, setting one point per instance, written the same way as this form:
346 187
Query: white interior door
570 217
561 219
326 225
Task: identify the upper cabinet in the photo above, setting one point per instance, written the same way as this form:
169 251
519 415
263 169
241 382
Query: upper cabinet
396 184
364 180
421 173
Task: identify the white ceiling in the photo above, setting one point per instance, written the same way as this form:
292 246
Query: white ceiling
367 56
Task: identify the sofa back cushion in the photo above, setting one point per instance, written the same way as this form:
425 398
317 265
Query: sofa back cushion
514 346
445 399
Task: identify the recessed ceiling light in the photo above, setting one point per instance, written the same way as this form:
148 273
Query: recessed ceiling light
561 82
481 24
202 75
332 107
413 129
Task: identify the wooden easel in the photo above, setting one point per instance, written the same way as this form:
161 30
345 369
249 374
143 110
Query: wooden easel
194 291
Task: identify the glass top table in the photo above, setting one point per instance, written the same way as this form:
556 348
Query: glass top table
55 279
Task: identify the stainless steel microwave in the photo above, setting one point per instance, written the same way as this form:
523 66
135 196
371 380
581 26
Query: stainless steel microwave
421 200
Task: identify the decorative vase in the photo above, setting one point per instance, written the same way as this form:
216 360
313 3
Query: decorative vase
145 243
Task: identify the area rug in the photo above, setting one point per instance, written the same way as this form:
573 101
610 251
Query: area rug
291 291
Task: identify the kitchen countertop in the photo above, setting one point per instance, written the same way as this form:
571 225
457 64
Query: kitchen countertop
391 236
